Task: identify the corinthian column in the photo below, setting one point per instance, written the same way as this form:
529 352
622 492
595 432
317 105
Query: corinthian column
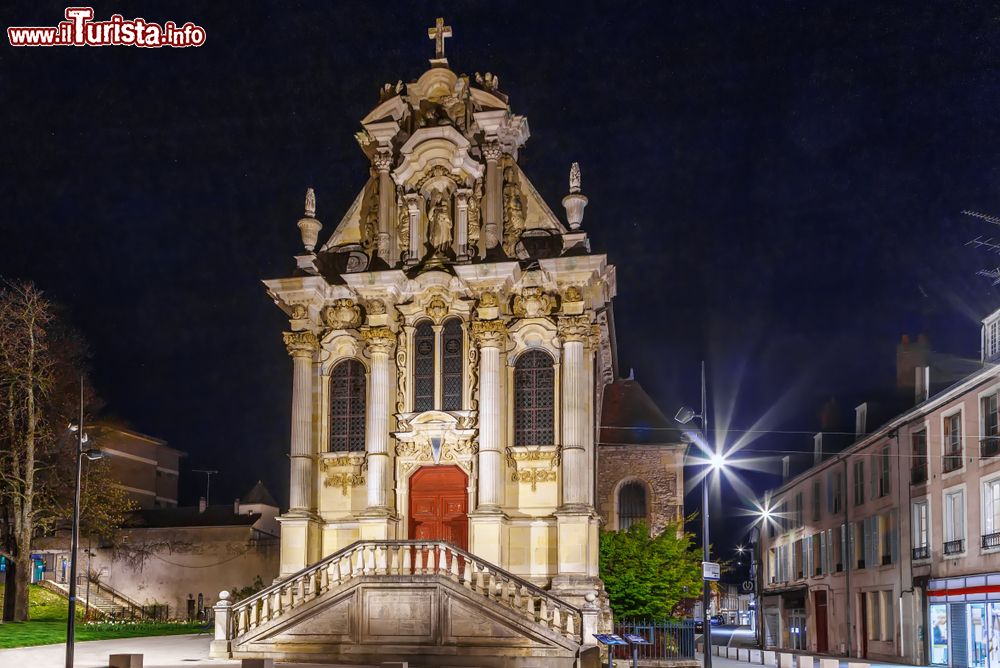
491 335
382 161
575 332
380 342
494 207
301 346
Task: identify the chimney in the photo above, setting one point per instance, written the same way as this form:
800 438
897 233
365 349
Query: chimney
785 465
861 420
817 448
922 387
202 504
910 354
236 507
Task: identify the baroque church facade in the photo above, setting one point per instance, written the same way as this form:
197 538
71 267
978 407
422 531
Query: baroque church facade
451 342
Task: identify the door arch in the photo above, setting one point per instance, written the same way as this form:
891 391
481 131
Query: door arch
439 505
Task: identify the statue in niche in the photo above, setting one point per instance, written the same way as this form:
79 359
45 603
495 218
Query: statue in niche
513 210
440 223
475 215
369 222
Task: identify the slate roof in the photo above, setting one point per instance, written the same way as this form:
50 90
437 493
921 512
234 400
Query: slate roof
259 495
630 417
188 516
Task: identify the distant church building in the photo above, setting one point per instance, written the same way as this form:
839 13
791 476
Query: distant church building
451 343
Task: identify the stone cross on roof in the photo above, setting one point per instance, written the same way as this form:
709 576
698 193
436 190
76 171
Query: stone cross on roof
439 33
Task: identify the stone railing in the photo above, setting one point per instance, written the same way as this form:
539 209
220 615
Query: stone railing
412 558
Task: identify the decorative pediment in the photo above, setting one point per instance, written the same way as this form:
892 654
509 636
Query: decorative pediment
443 146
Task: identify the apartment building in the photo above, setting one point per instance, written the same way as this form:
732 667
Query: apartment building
890 549
145 466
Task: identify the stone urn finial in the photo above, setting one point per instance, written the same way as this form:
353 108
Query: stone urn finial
309 227
575 201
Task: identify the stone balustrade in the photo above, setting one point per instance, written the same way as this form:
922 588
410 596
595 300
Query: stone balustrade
395 558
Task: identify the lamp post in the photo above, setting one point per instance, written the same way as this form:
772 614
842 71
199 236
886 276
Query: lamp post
716 462
91 454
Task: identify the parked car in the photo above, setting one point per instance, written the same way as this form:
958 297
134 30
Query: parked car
716 620
699 626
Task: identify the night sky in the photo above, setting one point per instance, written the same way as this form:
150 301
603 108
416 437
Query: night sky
779 184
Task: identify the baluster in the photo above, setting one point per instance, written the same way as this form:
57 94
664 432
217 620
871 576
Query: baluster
481 580
318 584
427 554
442 560
384 561
358 558
515 601
303 588
543 613
467 574
556 618
570 625
407 555
369 559
453 556
333 574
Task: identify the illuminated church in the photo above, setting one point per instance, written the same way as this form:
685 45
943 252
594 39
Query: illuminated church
451 345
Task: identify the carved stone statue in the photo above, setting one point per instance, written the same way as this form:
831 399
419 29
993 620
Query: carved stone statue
475 215
310 203
369 223
574 178
402 222
513 210
440 223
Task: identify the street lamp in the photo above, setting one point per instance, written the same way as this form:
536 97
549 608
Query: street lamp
716 463
91 454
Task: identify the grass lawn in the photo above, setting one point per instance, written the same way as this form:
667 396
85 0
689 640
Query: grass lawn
47 625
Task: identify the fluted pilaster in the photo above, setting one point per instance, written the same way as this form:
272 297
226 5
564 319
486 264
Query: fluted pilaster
491 336
386 191
494 207
379 342
576 335
301 346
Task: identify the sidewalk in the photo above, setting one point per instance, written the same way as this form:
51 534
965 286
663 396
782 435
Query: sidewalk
723 662
158 652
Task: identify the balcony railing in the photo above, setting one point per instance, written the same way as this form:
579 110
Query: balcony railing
918 473
954 546
923 552
991 540
952 463
989 446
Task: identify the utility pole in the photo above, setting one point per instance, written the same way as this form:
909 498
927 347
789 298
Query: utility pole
208 481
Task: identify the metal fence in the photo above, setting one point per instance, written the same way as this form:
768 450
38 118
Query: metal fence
667 639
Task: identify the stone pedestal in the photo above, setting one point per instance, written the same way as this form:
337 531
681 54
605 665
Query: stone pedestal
301 534
488 533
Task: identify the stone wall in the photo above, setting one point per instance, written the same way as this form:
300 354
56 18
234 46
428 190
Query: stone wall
661 470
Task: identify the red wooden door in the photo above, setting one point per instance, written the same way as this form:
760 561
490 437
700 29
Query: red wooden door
822 643
439 505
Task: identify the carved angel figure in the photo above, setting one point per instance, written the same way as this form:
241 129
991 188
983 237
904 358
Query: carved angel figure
440 223
402 222
475 213
369 229
513 210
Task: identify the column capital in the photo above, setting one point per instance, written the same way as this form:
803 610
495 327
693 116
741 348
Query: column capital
489 333
492 151
301 344
382 160
378 339
577 328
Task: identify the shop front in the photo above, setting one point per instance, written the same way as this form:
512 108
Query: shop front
964 621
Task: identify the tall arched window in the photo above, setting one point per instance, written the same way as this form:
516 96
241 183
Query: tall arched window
347 406
423 367
534 399
451 365
631 505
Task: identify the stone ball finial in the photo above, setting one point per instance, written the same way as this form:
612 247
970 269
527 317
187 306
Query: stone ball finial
590 597
308 226
224 595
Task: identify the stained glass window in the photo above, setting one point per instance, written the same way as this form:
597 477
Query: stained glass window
423 367
347 406
631 505
451 365
534 399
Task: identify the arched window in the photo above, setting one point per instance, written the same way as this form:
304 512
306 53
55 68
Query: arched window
451 365
534 399
631 505
423 367
347 406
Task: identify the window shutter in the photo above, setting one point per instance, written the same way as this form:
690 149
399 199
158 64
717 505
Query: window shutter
846 548
829 551
824 564
894 535
807 545
874 477
866 526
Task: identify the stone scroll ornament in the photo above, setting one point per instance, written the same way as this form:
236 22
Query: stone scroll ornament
513 210
342 314
369 228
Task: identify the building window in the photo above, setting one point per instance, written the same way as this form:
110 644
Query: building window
631 505
347 406
452 347
918 465
874 615
798 511
954 522
859 482
838 493
423 367
860 542
921 527
989 444
534 399
991 514
953 442
817 496
883 480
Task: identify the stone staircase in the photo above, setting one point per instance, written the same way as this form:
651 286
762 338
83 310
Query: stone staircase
429 603
103 600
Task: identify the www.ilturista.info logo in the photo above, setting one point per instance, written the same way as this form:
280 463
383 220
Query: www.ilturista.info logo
79 29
